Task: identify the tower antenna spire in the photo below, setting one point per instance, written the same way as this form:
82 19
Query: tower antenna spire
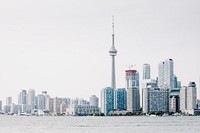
113 26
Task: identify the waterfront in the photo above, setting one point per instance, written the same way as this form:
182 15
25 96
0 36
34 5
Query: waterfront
136 124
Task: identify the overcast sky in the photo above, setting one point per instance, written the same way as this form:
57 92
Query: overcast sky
61 46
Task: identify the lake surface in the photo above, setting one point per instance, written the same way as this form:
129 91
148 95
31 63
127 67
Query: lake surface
131 124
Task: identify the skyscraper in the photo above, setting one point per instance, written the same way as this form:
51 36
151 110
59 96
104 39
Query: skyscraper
161 74
133 93
168 73
188 98
8 104
56 105
41 102
31 99
22 97
155 100
146 71
107 100
8 101
165 74
121 97
49 105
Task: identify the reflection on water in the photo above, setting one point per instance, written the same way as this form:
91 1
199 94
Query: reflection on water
136 124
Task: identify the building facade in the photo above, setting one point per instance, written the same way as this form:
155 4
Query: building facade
94 101
121 97
188 99
166 74
107 100
146 71
56 105
31 99
155 100
133 92
174 101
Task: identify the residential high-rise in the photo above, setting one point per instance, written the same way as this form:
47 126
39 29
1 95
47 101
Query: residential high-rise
49 105
169 73
161 74
107 100
155 100
188 98
22 97
94 101
80 107
165 74
121 97
31 99
41 102
44 93
56 105
8 101
133 92
42 99
7 107
146 71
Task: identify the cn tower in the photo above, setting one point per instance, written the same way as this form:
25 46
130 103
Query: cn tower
113 53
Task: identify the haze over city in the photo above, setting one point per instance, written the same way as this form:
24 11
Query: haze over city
62 46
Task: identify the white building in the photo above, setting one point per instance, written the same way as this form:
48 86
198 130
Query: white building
81 107
14 108
49 105
22 97
165 74
22 101
42 99
56 105
188 99
155 100
31 99
94 101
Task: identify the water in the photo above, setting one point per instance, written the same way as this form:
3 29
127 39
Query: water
136 124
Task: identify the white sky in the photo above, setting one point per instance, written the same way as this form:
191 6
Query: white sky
62 45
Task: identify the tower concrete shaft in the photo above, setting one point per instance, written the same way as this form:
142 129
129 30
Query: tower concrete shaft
113 81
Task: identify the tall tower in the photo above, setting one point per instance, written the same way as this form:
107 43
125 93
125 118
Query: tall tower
146 71
31 99
113 53
168 73
133 92
165 74
107 100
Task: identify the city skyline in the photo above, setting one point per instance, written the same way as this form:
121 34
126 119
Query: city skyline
57 48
